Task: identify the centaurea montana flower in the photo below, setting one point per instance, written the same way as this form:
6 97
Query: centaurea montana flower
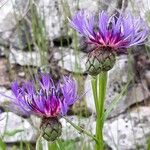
110 36
47 100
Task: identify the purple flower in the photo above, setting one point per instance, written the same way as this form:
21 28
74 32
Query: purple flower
108 37
43 98
116 33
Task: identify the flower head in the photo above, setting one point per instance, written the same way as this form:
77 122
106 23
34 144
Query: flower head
110 36
47 100
44 98
114 32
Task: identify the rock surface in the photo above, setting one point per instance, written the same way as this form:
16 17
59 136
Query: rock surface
70 60
142 11
13 11
4 76
3 92
16 128
57 14
129 131
24 58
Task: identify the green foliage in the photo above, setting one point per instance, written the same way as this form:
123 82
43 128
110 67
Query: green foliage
148 144
62 145
2 145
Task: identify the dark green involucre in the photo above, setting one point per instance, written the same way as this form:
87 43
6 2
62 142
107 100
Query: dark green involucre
100 60
51 129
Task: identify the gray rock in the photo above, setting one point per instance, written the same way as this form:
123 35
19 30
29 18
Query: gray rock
117 80
147 78
2 51
13 11
53 17
142 11
16 128
128 131
71 60
57 13
21 37
69 132
3 92
4 76
9 8
25 58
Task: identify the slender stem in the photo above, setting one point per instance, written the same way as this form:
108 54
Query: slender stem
94 88
38 142
81 130
99 92
95 95
101 100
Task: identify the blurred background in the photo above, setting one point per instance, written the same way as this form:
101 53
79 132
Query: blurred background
35 35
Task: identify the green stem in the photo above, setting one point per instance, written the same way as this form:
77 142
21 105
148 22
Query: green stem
99 92
38 143
101 100
94 88
81 130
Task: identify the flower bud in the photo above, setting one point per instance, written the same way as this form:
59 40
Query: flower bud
51 128
100 61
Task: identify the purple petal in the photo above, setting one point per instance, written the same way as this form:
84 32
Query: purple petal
83 22
69 90
78 21
64 108
103 22
14 88
116 33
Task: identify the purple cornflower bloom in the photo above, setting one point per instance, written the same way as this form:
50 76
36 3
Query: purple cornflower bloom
109 36
44 98
117 33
